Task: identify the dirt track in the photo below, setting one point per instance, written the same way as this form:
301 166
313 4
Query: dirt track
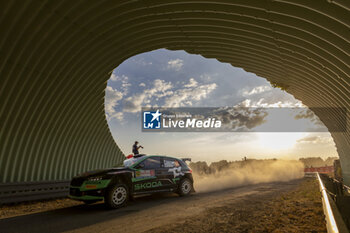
167 213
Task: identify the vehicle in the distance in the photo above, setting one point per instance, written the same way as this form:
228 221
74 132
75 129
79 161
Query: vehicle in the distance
141 174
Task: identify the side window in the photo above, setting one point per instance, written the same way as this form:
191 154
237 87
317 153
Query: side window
169 163
183 164
150 163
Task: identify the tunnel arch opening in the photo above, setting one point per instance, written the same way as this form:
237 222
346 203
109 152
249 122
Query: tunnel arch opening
65 60
178 79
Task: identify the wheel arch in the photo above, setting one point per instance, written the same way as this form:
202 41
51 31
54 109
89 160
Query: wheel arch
122 178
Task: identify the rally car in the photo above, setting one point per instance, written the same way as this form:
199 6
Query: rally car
141 174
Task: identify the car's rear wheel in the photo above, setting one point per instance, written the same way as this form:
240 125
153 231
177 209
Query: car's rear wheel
185 187
117 196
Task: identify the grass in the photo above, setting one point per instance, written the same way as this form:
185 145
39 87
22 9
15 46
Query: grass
292 211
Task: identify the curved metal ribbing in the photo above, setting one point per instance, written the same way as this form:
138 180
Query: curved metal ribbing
55 57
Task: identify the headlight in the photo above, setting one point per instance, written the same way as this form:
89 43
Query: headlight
96 178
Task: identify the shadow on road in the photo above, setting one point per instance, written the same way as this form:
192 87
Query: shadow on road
78 216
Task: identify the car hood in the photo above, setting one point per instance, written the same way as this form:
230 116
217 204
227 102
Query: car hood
102 172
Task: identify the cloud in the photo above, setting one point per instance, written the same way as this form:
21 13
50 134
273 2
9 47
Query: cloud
160 89
141 61
304 114
264 103
116 78
191 92
208 77
192 83
142 84
133 103
160 86
241 118
123 81
175 64
256 90
315 140
112 97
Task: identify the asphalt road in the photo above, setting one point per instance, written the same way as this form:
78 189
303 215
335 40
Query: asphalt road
143 214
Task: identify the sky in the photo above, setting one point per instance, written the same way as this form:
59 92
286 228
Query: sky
164 78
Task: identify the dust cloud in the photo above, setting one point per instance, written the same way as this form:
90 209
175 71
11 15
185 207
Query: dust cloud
247 172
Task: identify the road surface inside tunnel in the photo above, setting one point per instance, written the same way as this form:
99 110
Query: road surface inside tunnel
144 213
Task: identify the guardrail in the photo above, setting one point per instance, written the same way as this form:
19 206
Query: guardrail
334 220
31 191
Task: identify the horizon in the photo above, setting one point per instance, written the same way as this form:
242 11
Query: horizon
178 79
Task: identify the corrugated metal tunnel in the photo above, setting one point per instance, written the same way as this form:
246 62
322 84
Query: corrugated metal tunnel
56 57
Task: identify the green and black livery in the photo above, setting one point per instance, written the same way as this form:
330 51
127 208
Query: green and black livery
142 175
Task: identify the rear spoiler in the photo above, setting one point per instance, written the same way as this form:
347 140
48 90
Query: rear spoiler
186 159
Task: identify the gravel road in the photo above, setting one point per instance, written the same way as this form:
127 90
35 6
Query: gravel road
159 213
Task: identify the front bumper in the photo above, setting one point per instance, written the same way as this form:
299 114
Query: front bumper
86 198
89 190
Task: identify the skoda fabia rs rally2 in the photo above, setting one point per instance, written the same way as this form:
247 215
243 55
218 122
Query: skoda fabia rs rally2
139 175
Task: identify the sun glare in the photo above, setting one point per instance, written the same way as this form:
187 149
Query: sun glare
279 141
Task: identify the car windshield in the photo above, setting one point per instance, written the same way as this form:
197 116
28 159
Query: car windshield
131 161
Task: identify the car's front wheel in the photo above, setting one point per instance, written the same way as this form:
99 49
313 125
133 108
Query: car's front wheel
117 196
185 187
